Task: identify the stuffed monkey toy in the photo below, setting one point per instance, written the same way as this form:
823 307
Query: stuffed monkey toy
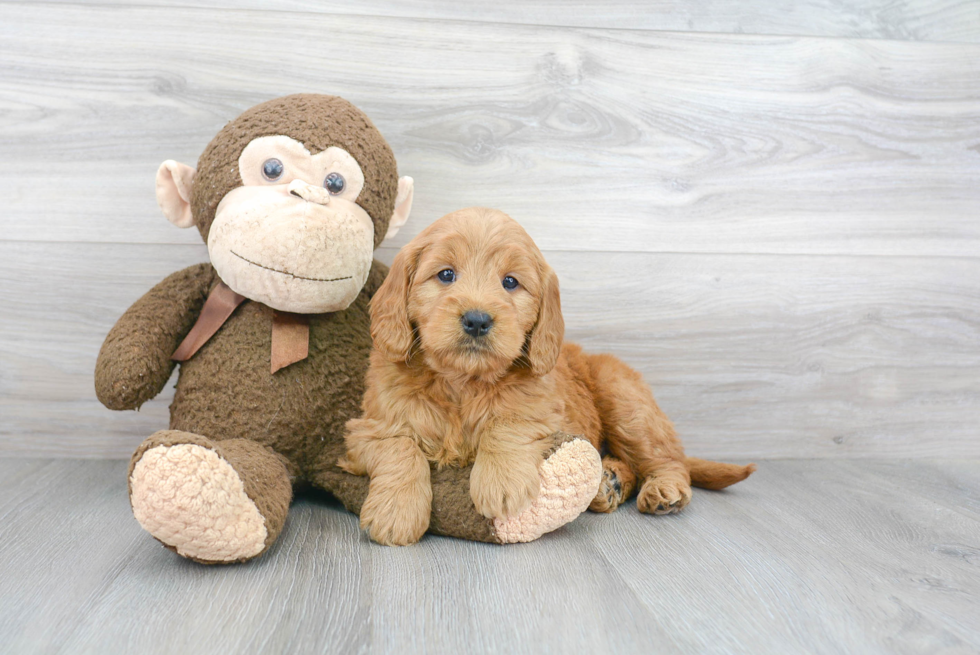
272 337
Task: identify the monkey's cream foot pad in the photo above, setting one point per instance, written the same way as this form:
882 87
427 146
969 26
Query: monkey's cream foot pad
569 481
190 498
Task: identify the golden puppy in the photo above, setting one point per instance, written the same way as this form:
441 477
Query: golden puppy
469 366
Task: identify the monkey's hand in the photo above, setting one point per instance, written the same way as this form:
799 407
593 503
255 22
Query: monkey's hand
134 363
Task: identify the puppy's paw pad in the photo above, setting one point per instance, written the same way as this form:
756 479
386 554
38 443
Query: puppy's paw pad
192 499
569 479
663 496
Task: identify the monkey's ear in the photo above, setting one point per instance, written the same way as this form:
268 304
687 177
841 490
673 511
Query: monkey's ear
174 183
403 205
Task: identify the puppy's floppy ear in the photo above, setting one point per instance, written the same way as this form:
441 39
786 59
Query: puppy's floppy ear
544 344
390 328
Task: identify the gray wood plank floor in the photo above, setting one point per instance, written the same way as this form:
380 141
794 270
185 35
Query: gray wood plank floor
806 556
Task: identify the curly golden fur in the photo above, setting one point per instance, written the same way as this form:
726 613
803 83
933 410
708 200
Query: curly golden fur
440 390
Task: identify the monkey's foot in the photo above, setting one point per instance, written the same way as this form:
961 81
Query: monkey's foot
191 499
569 480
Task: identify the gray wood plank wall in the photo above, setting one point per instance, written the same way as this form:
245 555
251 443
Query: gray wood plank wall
771 214
916 20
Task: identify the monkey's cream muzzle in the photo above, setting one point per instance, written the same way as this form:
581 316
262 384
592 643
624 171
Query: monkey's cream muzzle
292 247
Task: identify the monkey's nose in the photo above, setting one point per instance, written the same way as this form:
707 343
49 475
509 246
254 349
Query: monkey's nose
308 192
476 323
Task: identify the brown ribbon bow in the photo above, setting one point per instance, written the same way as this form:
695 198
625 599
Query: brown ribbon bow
290 332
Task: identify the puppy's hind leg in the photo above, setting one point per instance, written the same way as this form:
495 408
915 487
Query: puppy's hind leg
638 433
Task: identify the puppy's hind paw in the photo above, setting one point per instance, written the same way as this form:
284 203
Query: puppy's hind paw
569 478
663 496
610 495
615 488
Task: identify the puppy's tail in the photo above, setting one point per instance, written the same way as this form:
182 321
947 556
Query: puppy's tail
716 475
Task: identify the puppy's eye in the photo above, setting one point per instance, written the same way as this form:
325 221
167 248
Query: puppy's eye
448 276
510 283
272 169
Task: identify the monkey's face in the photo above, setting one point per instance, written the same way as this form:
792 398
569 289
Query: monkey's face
292 236
286 227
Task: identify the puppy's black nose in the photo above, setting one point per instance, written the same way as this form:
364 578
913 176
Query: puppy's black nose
476 323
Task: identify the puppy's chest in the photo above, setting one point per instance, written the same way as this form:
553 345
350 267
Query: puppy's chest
456 438
467 421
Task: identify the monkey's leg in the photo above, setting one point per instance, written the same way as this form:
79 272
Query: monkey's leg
209 501
570 475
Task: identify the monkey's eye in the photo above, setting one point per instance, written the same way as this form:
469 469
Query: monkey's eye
334 183
448 276
272 169
510 283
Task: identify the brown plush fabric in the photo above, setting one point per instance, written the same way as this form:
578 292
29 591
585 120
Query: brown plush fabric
452 507
226 391
134 362
316 121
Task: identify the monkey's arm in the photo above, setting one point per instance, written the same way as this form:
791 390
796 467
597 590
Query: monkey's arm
134 363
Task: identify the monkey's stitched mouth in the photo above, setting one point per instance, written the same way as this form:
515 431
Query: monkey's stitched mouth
298 277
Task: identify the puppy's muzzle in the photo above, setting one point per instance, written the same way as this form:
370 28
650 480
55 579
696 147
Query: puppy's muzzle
476 323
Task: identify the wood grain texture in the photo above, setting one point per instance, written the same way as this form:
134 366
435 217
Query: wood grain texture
917 20
805 556
751 356
610 140
780 232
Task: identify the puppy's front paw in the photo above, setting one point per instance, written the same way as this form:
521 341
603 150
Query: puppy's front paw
501 492
395 517
662 495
